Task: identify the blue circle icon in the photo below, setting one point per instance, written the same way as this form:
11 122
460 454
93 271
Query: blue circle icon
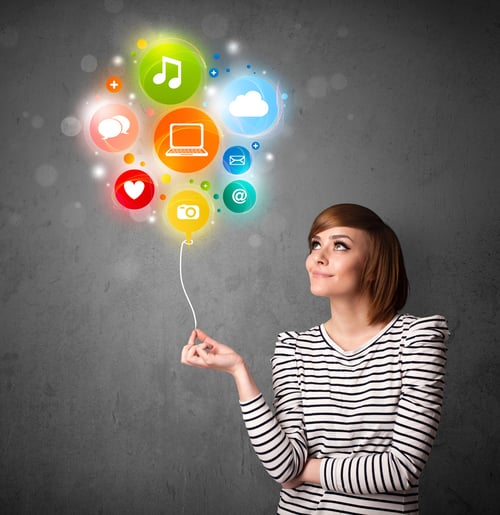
250 106
237 160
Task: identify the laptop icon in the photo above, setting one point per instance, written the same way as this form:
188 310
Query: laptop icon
186 139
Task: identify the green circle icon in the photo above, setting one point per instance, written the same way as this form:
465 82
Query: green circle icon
239 196
172 72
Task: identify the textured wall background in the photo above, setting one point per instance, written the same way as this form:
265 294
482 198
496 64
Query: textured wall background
392 104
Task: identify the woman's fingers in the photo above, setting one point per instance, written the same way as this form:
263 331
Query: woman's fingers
204 338
187 354
195 354
201 335
185 349
192 338
208 353
293 483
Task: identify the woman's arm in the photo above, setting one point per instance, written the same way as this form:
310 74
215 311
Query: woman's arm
423 360
278 439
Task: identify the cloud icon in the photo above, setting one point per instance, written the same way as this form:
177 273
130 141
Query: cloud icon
249 105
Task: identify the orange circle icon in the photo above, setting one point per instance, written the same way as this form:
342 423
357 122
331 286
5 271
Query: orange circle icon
114 84
186 139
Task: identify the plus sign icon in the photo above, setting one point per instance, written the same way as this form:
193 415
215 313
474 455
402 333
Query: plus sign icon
114 84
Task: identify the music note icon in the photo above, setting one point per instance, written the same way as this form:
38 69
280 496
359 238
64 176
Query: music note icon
161 77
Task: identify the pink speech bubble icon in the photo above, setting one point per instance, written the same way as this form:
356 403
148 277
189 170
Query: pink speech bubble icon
113 127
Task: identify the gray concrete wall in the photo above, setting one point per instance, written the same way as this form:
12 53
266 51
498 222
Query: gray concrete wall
96 413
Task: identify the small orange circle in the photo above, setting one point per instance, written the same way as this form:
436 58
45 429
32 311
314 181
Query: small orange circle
114 84
163 196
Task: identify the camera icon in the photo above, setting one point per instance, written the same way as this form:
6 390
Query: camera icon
188 212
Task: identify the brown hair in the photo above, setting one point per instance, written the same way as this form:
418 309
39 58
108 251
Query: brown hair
384 277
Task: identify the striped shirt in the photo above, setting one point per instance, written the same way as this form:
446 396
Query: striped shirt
370 414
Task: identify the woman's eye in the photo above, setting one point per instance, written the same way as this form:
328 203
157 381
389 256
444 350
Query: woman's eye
315 245
338 245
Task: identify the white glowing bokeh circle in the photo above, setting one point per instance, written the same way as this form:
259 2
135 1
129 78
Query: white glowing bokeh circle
46 175
317 87
88 63
71 126
338 81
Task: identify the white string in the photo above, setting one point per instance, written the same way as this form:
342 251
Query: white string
185 242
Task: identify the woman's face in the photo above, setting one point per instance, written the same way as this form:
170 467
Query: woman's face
336 262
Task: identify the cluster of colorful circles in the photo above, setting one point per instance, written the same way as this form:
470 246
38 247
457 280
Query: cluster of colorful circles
183 133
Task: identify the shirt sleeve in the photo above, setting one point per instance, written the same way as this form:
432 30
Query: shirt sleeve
278 438
423 358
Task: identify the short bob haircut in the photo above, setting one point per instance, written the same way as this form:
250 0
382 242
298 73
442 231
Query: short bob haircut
384 276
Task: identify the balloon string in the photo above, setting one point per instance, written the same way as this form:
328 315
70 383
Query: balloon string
185 242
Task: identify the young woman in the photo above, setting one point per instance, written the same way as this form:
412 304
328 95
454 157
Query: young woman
357 399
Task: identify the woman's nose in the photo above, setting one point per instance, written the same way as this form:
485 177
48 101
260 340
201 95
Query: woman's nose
320 258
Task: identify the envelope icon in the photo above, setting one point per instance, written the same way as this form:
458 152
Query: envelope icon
237 160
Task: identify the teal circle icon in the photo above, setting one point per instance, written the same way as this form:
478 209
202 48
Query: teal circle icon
239 196
172 72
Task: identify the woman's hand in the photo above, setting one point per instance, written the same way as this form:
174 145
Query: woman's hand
293 483
311 473
209 353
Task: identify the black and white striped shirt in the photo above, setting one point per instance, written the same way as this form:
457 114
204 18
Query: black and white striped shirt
371 414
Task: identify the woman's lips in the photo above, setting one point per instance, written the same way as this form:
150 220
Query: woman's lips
320 275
